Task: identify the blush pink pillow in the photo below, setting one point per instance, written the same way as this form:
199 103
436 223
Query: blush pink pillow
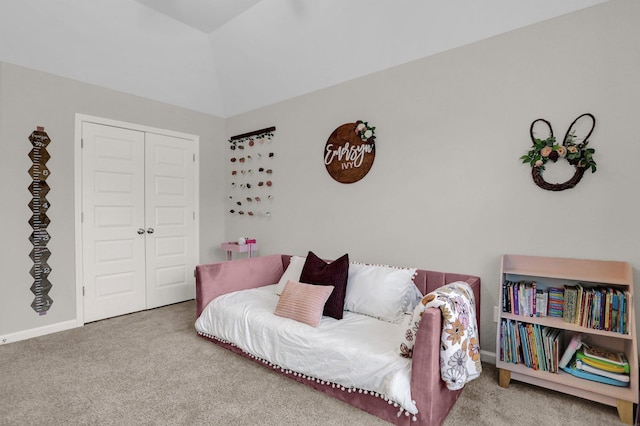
303 302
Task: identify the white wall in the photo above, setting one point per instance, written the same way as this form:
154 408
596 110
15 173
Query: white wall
447 190
29 99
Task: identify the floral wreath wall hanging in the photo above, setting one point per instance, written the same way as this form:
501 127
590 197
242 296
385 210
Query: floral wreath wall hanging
575 152
350 151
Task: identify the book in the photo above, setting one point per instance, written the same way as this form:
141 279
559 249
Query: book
609 310
548 348
522 298
537 334
620 365
574 345
614 310
533 344
512 297
579 309
590 369
541 302
556 302
557 342
571 369
602 365
625 320
532 299
570 299
586 308
505 296
603 354
526 351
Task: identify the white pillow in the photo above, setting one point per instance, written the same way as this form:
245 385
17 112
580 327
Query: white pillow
414 296
293 272
383 292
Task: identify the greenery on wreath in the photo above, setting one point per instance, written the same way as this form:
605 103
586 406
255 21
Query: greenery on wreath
365 132
543 150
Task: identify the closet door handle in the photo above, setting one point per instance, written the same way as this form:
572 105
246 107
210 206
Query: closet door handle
140 231
150 231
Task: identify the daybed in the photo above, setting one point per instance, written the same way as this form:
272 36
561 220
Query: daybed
249 285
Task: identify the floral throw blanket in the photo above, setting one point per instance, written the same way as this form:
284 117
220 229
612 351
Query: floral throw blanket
460 348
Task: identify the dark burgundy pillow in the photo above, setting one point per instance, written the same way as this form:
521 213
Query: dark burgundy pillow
317 271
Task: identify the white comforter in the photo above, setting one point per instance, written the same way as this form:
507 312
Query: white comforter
355 352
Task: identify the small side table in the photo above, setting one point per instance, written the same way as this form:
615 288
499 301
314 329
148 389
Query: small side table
239 248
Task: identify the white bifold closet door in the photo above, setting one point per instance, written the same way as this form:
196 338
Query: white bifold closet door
138 220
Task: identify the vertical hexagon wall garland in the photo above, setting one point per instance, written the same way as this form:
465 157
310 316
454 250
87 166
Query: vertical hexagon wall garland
39 221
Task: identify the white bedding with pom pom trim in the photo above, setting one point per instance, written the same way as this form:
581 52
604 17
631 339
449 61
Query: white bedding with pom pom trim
355 352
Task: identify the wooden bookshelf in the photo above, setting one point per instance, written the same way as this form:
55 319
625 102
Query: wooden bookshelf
557 272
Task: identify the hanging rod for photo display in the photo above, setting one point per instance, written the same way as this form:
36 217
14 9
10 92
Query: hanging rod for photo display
254 133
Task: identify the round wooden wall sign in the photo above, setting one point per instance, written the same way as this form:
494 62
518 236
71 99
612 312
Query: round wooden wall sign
350 151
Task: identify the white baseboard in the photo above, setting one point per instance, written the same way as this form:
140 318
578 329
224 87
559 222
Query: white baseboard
36 332
489 357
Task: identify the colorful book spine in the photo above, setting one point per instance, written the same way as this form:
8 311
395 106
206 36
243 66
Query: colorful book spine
531 345
532 299
556 302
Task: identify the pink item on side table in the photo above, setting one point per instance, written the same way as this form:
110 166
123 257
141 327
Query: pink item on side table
231 247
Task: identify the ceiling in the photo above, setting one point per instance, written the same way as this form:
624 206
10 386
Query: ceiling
204 15
227 57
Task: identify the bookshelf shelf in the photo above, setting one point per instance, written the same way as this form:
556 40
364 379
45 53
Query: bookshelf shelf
556 272
565 379
599 271
559 323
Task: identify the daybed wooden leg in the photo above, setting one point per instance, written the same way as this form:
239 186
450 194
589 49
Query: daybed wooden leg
625 411
505 378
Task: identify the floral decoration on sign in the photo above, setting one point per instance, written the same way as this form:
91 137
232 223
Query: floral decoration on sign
574 150
365 132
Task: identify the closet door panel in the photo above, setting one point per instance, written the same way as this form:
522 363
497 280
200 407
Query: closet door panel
113 213
170 219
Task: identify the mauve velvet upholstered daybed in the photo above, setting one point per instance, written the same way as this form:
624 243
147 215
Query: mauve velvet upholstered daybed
429 394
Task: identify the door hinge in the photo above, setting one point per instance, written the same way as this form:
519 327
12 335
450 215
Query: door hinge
194 158
81 142
82 291
194 215
81 217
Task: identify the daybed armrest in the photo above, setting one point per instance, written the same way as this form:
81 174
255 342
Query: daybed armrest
430 392
215 279
427 388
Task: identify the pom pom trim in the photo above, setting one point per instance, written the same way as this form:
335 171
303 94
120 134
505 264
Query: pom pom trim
333 385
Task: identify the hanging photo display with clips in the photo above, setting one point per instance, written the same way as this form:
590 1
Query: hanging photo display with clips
252 171
39 221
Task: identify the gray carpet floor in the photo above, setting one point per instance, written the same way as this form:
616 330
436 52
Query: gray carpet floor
150 368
